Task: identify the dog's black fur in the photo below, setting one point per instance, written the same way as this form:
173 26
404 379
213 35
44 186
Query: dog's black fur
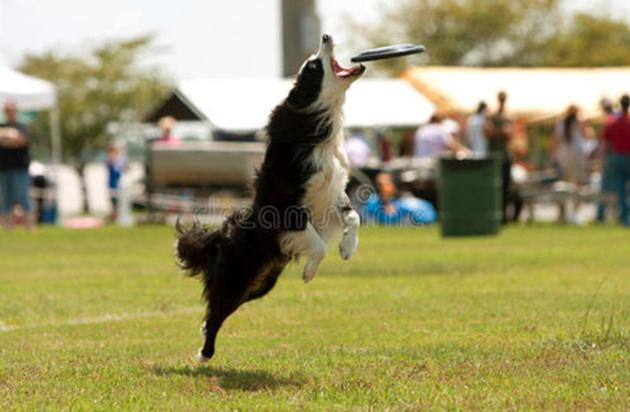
242 260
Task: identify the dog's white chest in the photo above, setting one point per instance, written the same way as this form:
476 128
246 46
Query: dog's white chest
324 188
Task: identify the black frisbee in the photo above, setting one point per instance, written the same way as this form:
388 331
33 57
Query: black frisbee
387 52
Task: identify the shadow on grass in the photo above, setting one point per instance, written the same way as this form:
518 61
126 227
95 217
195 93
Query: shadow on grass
233 379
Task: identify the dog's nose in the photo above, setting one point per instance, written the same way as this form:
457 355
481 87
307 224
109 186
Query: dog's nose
326 38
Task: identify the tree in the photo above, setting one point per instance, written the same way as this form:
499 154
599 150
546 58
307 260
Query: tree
590 41
458 32
499 33
107 84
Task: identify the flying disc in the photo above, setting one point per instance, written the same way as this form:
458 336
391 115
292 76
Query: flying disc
387 52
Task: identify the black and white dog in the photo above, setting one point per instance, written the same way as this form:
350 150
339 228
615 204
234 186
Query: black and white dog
300 204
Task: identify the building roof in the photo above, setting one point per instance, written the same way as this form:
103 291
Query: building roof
241 105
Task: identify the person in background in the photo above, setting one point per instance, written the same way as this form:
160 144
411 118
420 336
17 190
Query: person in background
386 207
609 111
499 130
166 138
166 124
617 137
385 146
386 191
406 145
606 185
14 162
357 149
453 126
433 139
569 145
116 166
475 130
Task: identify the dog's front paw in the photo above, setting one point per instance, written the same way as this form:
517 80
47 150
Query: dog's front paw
201 358
310 270
348 247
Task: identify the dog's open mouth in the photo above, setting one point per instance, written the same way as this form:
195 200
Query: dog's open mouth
343 73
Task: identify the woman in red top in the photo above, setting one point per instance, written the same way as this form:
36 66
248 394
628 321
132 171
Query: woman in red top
617 137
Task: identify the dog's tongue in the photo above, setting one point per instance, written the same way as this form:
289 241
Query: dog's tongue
342 71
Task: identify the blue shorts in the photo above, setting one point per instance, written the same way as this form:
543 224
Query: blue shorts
15 185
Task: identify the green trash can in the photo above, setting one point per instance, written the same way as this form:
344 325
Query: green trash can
469 195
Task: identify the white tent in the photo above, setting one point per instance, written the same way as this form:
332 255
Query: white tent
534 94
386 102
243 105
32 94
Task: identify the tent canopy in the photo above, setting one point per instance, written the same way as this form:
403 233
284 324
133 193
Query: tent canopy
30 93
240 105
534 94
386 102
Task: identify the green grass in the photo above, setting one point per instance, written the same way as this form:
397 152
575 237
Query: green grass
537 318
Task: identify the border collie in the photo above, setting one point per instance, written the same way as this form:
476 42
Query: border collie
300 204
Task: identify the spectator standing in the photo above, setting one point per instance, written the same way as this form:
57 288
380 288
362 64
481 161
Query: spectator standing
433 139
499 130
407 143
14 162
116 166
570 142
570 149
385 146
609 111
475 130
617 138
606 185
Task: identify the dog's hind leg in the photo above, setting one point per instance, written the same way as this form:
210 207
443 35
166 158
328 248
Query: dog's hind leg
222 302
350 222
210 328
221 307
307 243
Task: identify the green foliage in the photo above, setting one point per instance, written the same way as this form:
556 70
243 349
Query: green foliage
590 41
534 319
107 84
499 33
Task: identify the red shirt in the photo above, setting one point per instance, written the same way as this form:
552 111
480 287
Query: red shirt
168 139
617 134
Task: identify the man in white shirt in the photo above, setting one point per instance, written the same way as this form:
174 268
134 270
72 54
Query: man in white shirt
433 139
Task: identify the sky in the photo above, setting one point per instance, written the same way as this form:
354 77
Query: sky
212 38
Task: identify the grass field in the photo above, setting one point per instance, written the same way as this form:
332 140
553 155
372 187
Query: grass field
537 318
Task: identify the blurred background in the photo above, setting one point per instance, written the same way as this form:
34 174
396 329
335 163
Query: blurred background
142 111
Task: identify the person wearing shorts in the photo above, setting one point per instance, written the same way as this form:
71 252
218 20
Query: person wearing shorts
14 161
617 137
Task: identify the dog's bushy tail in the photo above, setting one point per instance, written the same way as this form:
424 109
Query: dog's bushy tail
197 248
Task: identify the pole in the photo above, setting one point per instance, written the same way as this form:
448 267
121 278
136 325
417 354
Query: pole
55 149
55 136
